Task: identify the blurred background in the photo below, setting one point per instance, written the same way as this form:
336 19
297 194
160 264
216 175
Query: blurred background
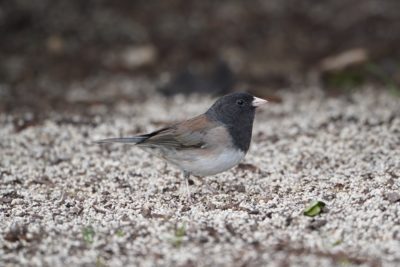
70 55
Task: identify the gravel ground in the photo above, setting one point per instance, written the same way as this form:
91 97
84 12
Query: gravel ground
67 202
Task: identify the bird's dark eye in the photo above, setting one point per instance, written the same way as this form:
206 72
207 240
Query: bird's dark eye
240 102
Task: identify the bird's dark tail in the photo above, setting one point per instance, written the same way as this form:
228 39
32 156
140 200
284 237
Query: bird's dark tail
126 140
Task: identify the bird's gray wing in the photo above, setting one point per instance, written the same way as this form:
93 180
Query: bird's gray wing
186 135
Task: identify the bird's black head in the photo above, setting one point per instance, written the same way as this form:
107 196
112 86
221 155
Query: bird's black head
235 108
236 111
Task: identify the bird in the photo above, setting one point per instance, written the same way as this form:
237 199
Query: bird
207 144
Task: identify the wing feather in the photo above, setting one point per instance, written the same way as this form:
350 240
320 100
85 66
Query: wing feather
185 135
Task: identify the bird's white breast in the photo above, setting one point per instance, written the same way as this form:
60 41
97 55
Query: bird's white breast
210 163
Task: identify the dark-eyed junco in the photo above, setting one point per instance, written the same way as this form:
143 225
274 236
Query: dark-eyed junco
207 144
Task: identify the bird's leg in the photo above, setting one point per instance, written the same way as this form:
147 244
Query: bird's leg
186 176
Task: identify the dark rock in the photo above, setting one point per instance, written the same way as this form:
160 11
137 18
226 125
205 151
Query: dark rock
315 224
16 232
392 197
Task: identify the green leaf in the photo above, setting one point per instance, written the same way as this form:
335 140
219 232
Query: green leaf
180 231
179 234
337 242
88 234
314 208
119 233
100 262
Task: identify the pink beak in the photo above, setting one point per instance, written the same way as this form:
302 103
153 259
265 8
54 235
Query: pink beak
258 102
